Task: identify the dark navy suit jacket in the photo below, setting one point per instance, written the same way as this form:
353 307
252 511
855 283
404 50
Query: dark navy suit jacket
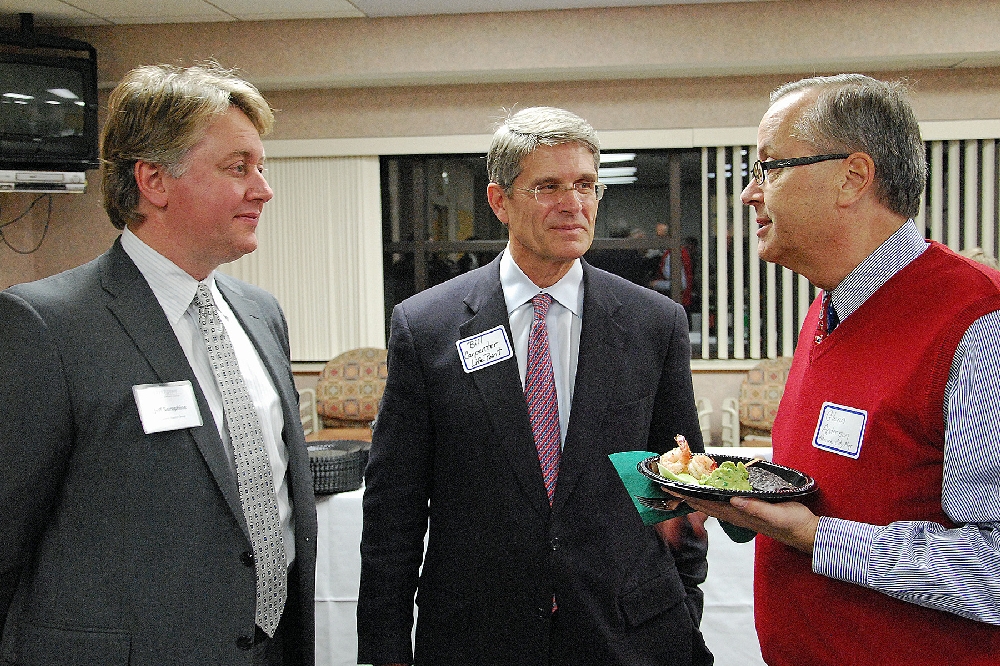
454 450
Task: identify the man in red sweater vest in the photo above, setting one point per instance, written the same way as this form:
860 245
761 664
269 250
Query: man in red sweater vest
892 403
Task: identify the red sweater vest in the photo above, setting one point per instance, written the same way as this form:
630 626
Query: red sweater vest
890 358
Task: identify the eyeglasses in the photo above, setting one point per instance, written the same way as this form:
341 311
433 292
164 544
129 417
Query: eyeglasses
550 193
759 169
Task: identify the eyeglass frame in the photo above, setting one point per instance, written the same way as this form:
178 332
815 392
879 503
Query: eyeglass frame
764 167
599 189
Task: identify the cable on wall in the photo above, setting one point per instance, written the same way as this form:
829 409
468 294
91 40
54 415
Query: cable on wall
48 220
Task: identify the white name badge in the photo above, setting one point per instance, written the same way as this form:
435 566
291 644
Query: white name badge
169 406
840 429
484 349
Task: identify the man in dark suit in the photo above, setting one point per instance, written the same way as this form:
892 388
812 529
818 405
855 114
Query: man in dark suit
155 495
508 387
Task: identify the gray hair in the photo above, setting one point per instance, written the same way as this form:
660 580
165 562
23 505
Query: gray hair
856 113
522 132
156 114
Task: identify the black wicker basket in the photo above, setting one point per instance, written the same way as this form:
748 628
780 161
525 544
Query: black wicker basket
338 466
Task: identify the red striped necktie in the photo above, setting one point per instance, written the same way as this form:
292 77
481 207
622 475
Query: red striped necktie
540 393
828 318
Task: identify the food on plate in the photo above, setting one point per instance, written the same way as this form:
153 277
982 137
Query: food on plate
698 469
680 460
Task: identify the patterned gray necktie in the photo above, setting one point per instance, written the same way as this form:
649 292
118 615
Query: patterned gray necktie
253 468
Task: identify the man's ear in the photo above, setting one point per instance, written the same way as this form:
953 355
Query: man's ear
149 179
859 179
498 202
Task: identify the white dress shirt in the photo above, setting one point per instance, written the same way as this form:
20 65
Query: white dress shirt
563 323
175 291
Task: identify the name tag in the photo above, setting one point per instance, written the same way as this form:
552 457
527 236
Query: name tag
169 406
840 429
484 349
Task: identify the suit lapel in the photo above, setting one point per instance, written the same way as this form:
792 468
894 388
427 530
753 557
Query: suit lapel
602 347
251 318
132 302
499 387
275 359
268 346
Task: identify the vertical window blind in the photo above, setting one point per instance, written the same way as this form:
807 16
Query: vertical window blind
321 249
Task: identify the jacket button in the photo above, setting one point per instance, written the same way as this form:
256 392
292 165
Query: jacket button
555 543
244 642
247 558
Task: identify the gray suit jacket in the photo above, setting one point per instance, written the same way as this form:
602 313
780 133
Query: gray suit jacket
120 547
454 451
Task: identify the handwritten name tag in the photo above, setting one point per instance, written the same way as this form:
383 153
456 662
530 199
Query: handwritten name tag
169 406
484 349
840 429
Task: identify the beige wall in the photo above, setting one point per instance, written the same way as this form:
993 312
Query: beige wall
675 66
670 67
671 41
78 231
727 101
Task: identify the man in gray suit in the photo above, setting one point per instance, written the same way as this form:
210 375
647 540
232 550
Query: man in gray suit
508 387
156 504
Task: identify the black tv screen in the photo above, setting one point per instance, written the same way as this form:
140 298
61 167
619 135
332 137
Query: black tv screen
48 113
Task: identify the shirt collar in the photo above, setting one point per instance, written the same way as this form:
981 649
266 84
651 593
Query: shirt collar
173 287
878 268
518 288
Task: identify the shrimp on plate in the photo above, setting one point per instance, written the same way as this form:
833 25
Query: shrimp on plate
681 461
701 466
676 460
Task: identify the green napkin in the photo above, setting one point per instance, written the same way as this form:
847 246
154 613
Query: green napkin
637 485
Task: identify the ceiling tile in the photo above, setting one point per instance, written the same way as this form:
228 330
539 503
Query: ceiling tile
262 10
97 12
161 11
420 7
47 13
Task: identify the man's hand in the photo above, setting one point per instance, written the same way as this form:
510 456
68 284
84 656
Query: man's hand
790 523
672 531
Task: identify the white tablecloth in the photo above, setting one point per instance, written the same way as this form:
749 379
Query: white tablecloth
727 625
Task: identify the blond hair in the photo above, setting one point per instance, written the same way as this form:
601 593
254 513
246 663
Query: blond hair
156 114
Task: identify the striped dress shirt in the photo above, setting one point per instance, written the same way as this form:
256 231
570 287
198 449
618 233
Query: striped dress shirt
954 570
175 290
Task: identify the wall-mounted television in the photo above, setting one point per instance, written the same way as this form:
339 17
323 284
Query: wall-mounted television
48 104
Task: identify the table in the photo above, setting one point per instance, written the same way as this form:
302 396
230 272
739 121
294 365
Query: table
332 434
727 624
338 572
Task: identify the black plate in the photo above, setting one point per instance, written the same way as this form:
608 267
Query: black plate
802 484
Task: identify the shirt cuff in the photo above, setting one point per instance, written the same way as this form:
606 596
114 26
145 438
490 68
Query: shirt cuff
842 549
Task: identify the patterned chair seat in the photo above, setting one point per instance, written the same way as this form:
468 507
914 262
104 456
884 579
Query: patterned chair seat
350 387
759 397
